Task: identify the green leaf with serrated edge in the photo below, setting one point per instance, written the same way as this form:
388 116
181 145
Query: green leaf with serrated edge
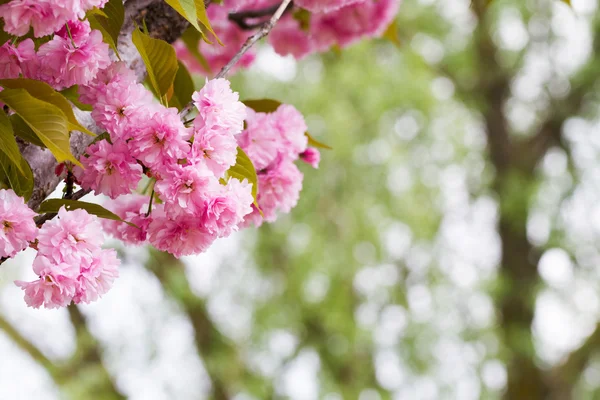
8 144
11 175
263 105
72 94
195 12
46 120
44 92
183 87
54 205
315 143
191 38
244 169
22 130
109 21
160 59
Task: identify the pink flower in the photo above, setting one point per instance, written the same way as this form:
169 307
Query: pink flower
292 128
45 16
160 140
181 236
16 223
320 6
120 106
279 188
288 38
97 276
261 139
70 237
131 208
312 157
109 169
15 60
74 59
184 189
48 291
226 210
219 107
215 148
118 73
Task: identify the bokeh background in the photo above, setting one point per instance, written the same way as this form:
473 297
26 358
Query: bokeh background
447 248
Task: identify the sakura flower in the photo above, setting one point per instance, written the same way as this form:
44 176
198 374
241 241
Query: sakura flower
320 6
74 56
18 60
215 148
219 107
279 188
49 291
184 189
261 140
311 156
291 126
97 276
160 140
45 16
131 208
109 169
16 223
180 236
226 209
118 73
287 37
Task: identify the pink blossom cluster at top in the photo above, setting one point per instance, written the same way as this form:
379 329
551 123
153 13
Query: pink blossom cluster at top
72 57
44 16
331 22
70 263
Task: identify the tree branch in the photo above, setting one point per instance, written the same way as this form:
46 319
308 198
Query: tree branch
240 18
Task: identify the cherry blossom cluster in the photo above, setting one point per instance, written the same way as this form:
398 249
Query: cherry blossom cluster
70 263
331 23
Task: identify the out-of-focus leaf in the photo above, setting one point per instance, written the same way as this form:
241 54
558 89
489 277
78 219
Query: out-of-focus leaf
46 120
315 143
303 17
160 59
183 87
54 205
18 178
42 91
191 38
72 94
195 12
109 21
391 34
22 130
244 169
8 144
263 105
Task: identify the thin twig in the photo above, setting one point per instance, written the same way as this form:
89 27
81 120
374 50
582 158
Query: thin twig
264 30
240 18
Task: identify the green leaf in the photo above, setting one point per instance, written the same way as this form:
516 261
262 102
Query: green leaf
109 21
183 87
263 105
8 144
303 17
195 12
53 205
42 91
315 143
191 38
391 34
160 59
11 175
72 94
46 120
244 169
22 130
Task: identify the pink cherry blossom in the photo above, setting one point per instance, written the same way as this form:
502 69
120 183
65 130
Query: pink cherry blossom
70 237
118 73
320 6
16 223
311 156
15 61
73 59
279 188
131 208
291 126
261 139
226 209
219 107
160 140
185 189
215 148
97 276
287 37
109 169
45 16
49 291
181 236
